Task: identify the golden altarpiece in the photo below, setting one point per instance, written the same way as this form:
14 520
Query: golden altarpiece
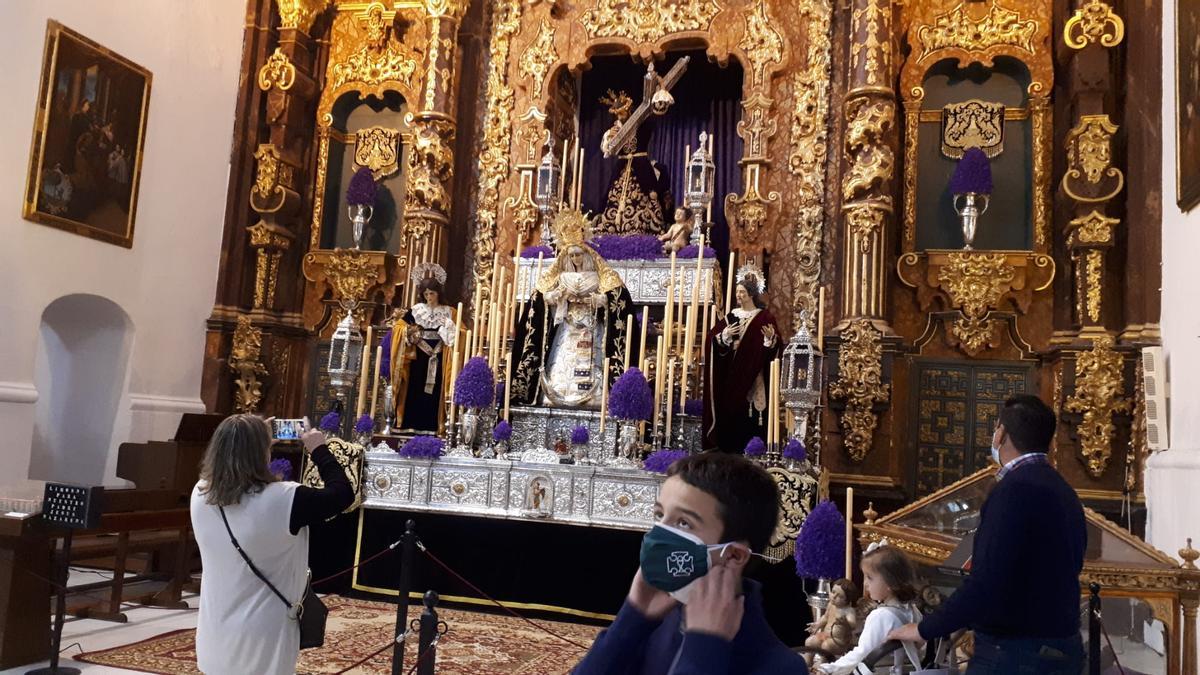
851 120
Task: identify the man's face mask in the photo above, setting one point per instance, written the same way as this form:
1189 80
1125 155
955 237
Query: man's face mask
672 559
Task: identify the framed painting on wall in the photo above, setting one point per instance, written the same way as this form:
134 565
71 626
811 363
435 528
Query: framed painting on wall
88 136
1187 102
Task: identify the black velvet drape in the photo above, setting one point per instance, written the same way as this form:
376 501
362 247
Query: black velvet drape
707 98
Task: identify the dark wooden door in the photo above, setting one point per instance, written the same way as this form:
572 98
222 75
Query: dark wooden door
957 403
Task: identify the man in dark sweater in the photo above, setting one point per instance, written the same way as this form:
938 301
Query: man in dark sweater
1022 597
689 611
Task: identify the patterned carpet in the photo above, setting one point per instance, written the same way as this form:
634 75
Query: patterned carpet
476 644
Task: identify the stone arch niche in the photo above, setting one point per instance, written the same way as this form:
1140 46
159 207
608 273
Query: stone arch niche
80 372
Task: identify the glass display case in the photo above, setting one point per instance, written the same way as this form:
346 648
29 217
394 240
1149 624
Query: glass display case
1148 599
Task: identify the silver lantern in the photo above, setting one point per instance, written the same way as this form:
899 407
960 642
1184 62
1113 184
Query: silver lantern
802 375
345 356
701 181
548 192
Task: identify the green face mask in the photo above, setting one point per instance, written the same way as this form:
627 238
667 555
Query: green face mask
672 559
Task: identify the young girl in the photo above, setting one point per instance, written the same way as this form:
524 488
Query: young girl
889 579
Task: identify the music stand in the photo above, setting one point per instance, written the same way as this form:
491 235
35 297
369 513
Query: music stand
71 507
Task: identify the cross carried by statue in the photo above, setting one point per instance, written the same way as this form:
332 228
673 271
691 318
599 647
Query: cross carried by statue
654 99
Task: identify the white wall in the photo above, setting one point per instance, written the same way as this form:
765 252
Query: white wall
1172 476
166 283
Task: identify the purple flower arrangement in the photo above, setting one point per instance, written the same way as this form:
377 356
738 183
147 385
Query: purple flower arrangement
630 398
362 188
973 173
580 435
502 432
661 460
795 450
690 250
474 387
627 247
756 447
331 422
533 251
281 468
821 544
427 447
364 425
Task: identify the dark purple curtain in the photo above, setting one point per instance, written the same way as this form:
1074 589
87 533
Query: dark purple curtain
707 98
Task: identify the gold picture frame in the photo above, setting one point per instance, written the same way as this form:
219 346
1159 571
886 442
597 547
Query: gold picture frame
1187 103
85 161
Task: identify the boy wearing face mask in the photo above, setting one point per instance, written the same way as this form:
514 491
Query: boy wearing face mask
689 611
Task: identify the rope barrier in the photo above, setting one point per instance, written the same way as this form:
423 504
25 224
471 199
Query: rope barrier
499 604
391 547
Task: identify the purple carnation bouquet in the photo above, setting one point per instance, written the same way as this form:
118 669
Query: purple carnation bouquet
580 435
630 398
534 251
661 460
756 447
821 544
475 387
502 432
362 188
627 247
690 251
423 447
795 450
331 422
364 425
281 468
973 173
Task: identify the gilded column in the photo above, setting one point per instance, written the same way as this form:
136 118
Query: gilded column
431 162
860 391
867 203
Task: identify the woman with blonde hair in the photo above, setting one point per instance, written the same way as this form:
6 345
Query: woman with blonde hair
243 626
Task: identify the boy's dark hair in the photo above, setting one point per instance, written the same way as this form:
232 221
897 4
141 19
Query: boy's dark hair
896 569
1029 422
747 497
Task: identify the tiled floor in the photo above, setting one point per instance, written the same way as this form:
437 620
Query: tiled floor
91 634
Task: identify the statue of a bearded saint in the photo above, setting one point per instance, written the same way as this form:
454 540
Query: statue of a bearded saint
575 318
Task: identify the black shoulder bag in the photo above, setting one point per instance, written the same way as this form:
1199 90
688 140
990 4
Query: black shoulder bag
310 612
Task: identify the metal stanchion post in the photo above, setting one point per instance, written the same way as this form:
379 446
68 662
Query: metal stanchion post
1094 629
429 635
407 559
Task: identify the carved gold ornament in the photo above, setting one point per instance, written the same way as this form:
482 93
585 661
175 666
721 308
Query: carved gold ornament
1094 22
872 162
1099 394
277 72
378 149
244 357
863 221
1040 114
972 124
1094 270
372 69
976 283
958 29
537 59
761 43
646 22
299 14
1089 157
1094 228
810 149
273 175
873 54
860 385
351 273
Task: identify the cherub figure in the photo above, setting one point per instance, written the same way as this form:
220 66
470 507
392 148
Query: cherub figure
677 237
834 632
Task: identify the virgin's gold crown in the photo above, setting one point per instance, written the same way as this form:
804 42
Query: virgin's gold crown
571 227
